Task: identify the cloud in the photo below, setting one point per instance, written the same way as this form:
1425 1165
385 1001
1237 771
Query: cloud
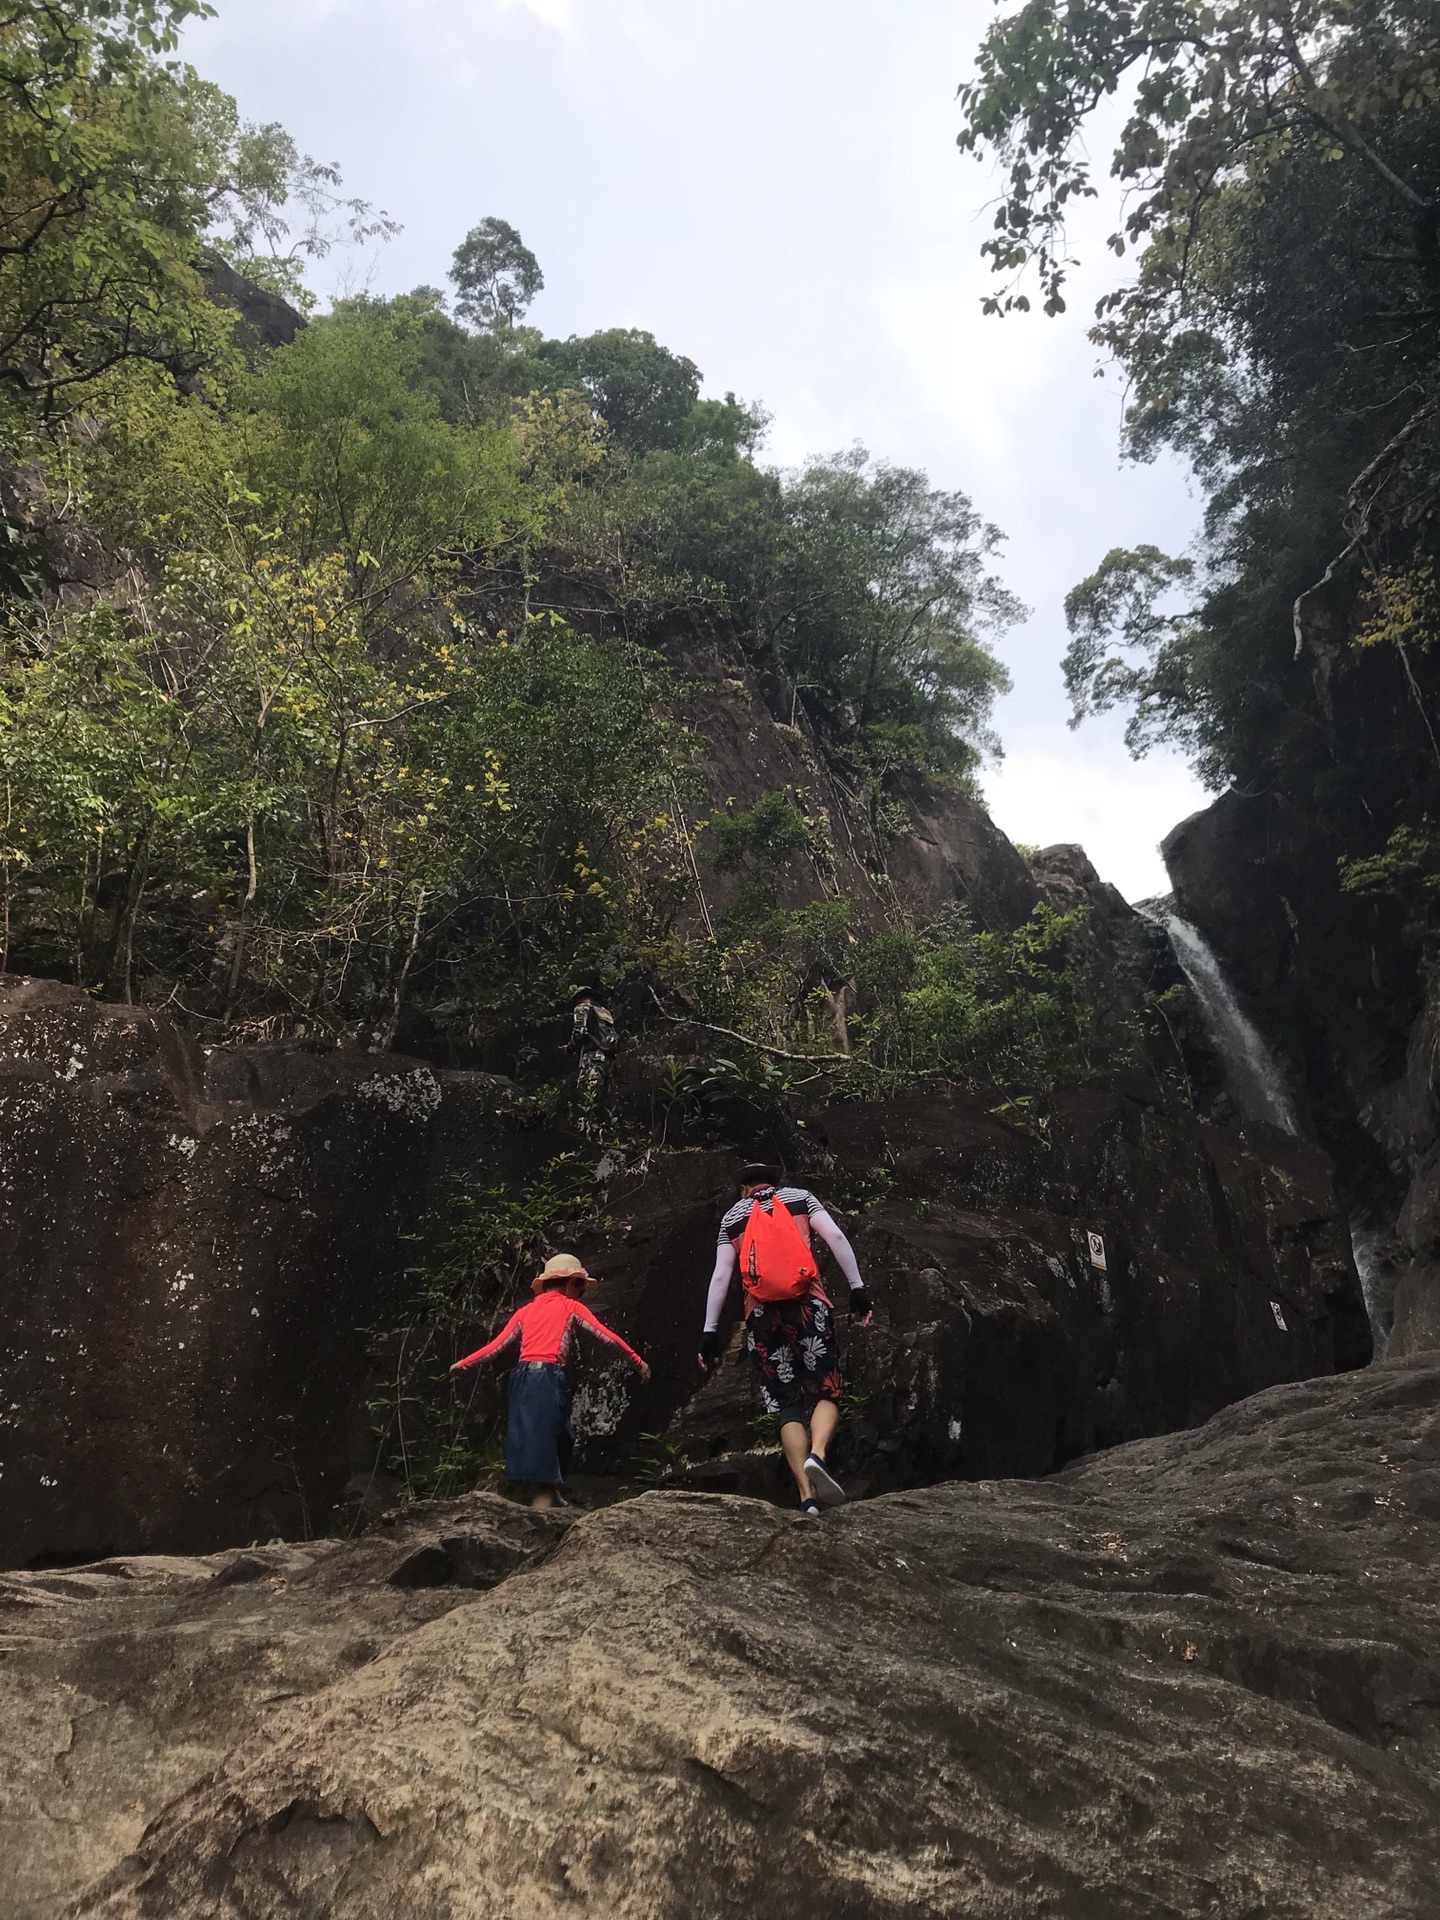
1118 809
557 14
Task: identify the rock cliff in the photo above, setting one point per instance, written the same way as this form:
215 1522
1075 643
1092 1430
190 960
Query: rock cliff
1195 1675
1337 979
201 1247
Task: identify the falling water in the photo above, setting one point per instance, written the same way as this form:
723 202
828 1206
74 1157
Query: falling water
1249 1064
1375 1264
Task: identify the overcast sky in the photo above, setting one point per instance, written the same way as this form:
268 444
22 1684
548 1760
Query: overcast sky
771 187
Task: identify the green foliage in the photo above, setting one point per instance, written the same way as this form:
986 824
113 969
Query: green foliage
767 831
309 764
365 714
867 587
1002 1006
880 605
645 394
496 276
1408 869
102 193
1212 94
1153 669
1282 182
271 209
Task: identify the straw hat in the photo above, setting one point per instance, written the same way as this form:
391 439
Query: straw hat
560 1266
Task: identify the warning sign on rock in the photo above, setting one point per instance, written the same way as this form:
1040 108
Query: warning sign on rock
1097 1252
1279 1316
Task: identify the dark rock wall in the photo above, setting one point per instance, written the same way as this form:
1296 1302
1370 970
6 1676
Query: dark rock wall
754 741
198 1247
1336 980
193 1246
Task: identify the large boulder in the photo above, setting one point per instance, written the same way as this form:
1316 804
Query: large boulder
939 850
1190 1676
194 1245
202 1250
1000 1344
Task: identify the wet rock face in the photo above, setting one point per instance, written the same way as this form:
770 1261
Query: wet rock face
1334 982
999 1345
196 1250
1195 1675
192 1248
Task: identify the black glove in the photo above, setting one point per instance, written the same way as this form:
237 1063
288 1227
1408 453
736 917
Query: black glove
859 1303
709 1348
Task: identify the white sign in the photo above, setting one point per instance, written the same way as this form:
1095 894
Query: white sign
1097 1252
1279 1316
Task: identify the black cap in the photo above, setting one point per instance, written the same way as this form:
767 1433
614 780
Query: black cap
587 993
758 1174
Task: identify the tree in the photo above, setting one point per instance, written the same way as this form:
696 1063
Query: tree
271 209
1281 170
880 606
495 275
1212 92
644 392
101 197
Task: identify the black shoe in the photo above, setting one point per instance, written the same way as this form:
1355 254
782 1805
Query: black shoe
827 1488
810 1508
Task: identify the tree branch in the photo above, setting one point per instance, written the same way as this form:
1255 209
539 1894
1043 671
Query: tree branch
1366 474
761 1046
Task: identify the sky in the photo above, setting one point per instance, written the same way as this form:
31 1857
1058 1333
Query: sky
772 188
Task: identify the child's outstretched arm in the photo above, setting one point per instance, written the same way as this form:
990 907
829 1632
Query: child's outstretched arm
507 1335
608 1334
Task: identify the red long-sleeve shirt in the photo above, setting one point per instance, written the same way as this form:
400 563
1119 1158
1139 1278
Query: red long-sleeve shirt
544 1328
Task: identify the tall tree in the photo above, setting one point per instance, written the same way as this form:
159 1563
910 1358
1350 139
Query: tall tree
495 274
1281 177
643 391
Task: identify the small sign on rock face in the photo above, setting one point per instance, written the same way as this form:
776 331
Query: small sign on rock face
1279 1316
1097 1252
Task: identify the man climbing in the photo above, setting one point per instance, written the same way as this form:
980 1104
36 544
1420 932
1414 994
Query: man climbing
789 1321
593 1038
539 1439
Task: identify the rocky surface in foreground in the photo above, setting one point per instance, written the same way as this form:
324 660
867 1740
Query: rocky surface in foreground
1198 1675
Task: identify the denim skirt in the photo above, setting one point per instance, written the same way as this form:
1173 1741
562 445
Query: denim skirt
539 1439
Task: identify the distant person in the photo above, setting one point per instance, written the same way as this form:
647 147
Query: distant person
789 1321
539 1438
593 1037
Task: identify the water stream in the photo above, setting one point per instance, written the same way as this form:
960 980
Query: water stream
1250 1067
1259 1089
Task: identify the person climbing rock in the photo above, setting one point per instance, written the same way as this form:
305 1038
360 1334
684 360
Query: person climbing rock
789 1321
539 1438
593 1038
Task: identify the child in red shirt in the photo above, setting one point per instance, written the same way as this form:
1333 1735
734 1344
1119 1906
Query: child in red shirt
539 1439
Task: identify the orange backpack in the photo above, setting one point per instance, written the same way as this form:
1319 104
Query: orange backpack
775 1263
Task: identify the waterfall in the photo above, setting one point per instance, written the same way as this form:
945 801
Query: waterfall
1375 1261
1249 1064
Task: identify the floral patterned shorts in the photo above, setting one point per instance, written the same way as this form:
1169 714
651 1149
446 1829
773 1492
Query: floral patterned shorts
792 1348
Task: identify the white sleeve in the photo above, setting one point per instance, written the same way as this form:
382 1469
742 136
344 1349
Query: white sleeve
725 1265
829 1231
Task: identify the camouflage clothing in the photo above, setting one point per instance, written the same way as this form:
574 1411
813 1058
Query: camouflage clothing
593 1039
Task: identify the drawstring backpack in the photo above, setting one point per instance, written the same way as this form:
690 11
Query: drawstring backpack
775 1263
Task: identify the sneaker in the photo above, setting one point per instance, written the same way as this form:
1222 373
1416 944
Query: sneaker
827 1488
810 1508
